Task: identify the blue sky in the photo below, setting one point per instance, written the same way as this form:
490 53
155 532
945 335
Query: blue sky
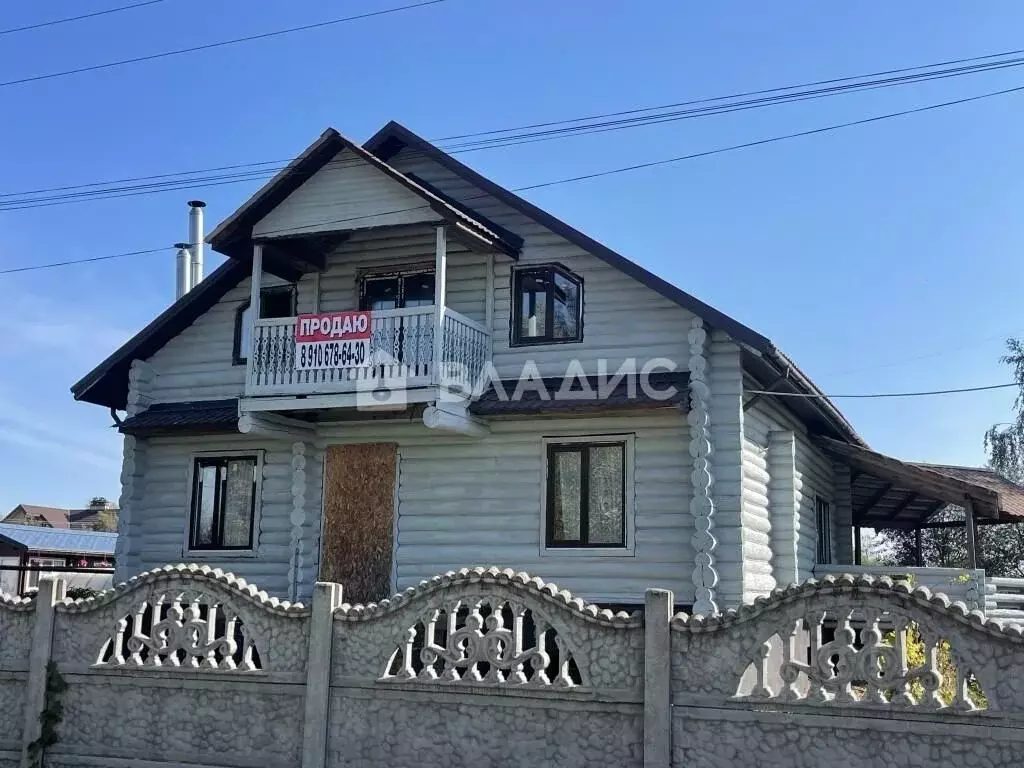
881 258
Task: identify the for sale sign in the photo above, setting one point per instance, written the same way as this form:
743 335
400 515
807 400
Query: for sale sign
332 340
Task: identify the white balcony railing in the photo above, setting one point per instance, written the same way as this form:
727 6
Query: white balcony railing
401 355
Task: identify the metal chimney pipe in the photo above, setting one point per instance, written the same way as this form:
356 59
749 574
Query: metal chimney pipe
195 239
181 279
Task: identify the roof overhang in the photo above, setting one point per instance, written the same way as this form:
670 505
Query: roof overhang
287 253
890 493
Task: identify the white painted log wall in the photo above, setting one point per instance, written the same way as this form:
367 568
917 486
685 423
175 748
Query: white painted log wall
758 575
726 414
813 474
345 193
622 318
160 516
468 502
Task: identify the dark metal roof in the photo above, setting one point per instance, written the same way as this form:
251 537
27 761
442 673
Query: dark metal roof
107 383
888 492
558 394
197 416
38 538
818 410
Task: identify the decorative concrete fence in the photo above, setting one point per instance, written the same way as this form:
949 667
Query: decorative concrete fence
188 666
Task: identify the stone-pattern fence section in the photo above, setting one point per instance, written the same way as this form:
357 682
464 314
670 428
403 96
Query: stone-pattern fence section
189 666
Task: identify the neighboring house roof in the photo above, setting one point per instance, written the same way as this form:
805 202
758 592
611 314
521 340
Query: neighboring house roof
567 394
53 516
196 416
37 538
107 384
888 492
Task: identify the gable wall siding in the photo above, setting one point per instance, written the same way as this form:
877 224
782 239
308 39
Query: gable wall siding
197 364
622 318
813 476
347 192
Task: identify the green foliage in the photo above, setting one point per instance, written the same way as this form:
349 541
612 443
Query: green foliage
1005 442
80 593
50 717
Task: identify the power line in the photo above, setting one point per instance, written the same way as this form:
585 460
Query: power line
68 19
172 183
219 44
79 261
883 394
597 174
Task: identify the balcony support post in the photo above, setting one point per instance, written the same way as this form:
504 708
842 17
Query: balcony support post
256 285
440 275
489 305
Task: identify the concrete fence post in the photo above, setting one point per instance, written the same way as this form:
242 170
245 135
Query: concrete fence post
658 606
51 592
326 598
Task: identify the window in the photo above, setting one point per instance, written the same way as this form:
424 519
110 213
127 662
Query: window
547 306
275 301
823 521
588 493
224 492
397 290
32 577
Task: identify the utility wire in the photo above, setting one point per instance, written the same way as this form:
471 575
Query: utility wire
219 44
80 261
170 182
92 15
883 394
597 174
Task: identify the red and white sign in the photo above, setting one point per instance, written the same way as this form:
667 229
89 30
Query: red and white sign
332 340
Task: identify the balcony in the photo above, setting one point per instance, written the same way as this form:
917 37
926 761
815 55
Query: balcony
402 355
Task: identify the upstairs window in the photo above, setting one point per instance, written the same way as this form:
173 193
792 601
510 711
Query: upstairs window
223 508
823 522
588 492
397 291
275 301
547 306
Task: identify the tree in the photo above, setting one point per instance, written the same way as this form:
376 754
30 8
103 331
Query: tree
106 520
999 548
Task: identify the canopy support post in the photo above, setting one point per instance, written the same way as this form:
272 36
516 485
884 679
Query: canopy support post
918 558
856 545
971 528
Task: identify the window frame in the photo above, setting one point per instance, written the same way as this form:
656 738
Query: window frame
515 337
254 514
554 549
399 273
236 344
823 554
35 561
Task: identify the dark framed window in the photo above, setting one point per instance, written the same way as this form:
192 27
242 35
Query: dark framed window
547 305
397 290
275 301
223 508
823 522
586 502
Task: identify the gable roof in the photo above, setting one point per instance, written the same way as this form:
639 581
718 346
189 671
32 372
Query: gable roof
107 384
237 228
55 517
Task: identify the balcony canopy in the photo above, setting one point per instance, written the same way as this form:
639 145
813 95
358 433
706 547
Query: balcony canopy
890 493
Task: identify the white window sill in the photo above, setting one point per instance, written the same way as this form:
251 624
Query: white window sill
587 552
217 554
